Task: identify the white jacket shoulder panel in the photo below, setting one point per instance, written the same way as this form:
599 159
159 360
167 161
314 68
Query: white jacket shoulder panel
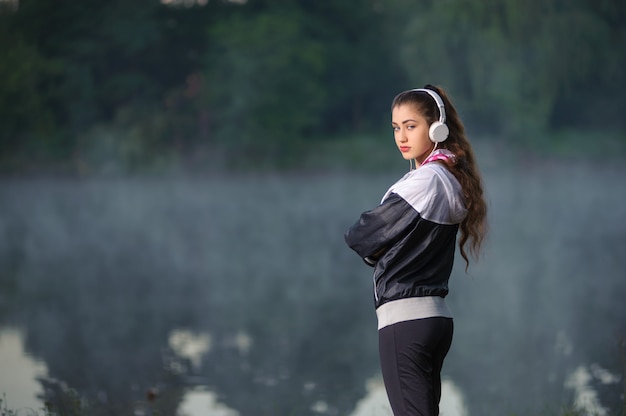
433 192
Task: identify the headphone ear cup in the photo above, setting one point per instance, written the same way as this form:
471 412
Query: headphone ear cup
438 132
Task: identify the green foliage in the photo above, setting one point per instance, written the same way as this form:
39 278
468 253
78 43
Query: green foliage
510 62
264 80
139 84
131 142
24 114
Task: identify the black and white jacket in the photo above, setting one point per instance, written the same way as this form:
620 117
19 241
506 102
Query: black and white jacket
410 238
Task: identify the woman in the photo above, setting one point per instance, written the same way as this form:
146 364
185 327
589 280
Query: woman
410 241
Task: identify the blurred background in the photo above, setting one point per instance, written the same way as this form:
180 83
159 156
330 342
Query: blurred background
176 177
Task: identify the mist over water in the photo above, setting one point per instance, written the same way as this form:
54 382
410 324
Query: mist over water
243 286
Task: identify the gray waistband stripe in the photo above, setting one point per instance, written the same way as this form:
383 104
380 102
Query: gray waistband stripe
412 308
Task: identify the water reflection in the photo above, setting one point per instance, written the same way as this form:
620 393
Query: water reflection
132 291
19 372
190 346
375 403
239 295
199 401
586 397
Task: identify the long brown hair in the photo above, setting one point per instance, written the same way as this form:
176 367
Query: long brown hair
474 227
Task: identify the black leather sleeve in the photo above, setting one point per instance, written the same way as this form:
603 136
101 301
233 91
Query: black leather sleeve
380 228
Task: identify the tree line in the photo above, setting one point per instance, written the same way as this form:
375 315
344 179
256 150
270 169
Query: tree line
147 83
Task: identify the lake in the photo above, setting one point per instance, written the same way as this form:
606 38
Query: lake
237 296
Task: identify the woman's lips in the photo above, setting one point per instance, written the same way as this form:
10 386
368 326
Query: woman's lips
404 149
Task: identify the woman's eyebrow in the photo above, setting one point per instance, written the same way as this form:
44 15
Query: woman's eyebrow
405 121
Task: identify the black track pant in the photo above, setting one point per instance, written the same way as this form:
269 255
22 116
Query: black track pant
411 356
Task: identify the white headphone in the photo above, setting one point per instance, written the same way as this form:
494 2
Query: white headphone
438 131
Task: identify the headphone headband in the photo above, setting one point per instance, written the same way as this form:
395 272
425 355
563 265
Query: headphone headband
438 131
438 100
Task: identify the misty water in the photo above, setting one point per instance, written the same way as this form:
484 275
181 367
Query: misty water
238 292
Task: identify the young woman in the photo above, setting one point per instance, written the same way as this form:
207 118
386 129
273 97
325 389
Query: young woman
410 241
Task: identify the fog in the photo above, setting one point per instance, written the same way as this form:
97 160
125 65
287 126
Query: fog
135 291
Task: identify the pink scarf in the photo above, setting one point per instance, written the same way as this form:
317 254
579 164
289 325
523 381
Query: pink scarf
440 154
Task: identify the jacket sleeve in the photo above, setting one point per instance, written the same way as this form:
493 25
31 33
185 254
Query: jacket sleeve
380 228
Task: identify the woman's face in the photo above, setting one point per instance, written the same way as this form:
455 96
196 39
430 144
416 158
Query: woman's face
410 130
